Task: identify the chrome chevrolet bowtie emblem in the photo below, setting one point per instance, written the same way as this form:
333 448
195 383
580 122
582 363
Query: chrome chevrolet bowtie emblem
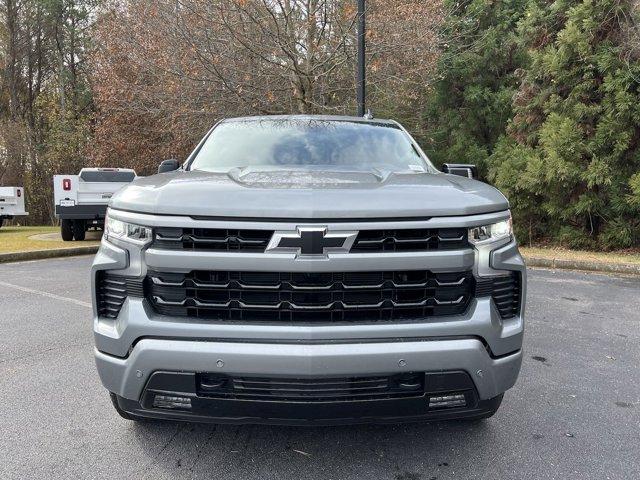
311 241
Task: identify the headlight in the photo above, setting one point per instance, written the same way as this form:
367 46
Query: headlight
127 232
491 233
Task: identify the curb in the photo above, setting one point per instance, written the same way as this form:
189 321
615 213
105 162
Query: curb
52 253
585 265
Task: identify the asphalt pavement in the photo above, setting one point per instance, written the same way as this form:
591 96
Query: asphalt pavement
574 413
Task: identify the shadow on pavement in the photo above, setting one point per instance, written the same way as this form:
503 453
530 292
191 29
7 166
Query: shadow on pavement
400 452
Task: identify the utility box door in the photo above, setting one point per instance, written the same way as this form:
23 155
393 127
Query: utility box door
65 190
12 201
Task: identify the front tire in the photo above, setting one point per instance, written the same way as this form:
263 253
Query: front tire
79 230
66 230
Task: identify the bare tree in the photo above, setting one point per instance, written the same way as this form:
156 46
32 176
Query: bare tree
45 102
166 70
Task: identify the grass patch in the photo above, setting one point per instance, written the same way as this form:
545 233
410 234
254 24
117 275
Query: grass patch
17 239
564 254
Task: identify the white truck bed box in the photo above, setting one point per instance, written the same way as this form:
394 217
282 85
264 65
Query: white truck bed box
12 202
85 196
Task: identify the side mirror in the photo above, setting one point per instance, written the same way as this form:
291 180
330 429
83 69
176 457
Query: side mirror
462 169
168 166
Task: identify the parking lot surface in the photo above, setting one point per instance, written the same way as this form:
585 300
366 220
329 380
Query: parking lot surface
574 413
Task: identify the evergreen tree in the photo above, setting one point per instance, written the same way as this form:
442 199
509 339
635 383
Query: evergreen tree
570 164
471 103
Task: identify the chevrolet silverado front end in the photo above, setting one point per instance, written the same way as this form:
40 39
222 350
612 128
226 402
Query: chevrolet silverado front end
308 270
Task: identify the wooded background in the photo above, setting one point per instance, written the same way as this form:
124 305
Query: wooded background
542 95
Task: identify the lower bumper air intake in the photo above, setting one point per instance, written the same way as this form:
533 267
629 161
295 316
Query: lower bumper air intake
208 397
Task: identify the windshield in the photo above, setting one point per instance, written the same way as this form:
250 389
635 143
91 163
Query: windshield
308 142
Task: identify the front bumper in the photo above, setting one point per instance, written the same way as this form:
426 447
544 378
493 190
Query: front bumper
139 342
169 368
179 396
127 377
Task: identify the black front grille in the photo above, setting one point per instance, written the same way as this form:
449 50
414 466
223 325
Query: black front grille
310 390
309 297
112 290
213 239
505 291
408 240
367 241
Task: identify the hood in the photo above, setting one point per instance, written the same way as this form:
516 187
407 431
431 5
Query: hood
312 194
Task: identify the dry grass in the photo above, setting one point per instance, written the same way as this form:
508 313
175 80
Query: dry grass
603 257
16 239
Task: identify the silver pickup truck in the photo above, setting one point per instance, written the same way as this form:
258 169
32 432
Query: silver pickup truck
308 270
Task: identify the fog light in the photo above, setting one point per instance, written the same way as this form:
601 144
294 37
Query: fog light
447 401
176 403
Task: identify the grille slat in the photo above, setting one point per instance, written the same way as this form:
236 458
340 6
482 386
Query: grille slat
310 297
296 382
112 290
405 240
310 390
226 240
505 291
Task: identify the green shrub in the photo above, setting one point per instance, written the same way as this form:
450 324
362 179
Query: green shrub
570 158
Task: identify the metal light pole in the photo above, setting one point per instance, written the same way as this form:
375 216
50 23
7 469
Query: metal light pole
361 75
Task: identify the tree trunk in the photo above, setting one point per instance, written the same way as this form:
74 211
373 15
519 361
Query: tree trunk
12 69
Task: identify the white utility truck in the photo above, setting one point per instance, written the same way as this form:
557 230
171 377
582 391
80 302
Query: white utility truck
81 200
11 203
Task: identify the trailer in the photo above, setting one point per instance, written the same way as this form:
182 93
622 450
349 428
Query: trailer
81 200
11 203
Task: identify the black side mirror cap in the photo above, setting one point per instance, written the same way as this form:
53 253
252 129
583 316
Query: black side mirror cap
168 165
463 169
